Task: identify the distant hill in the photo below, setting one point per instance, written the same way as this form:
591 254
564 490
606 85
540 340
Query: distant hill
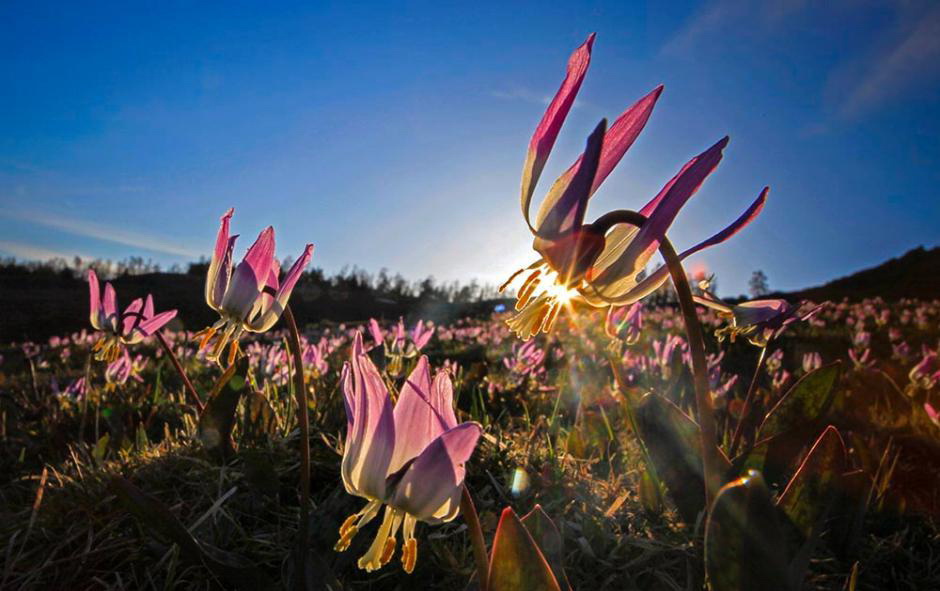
914 275
40 304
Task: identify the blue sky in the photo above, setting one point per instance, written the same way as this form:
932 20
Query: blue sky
392 135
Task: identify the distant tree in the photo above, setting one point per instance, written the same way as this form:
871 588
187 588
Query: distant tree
757 285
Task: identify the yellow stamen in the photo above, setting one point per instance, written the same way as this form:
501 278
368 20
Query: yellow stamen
409 555
528 289
503 287
388 551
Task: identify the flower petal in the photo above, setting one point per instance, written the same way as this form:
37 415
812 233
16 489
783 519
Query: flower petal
152 325
132 316
547 131
566 213
417 421
430 481
109 308
371 440
442 398
94 296
618 139
654 280
272 311
220 266
620 273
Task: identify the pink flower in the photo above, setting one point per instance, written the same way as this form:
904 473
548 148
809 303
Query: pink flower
625 323
248 297
932 414
758 320
409 457
136 323
602 262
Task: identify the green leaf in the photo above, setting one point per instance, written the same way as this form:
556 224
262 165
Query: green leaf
674 443
650 496
806 402
260 422
548 539
141 440
811 491
744 544
516 563
156 516
101 448
218 417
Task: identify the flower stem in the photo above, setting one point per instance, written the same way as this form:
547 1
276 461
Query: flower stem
469 512
190 390
703 402
300 391
745 411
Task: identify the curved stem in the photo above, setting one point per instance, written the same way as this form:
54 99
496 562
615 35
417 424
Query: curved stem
703 400
190 390
706 414
469 512
739 430
300 392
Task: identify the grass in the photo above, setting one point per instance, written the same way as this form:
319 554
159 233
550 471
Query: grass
64 528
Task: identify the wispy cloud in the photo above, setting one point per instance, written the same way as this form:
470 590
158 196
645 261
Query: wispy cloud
912 59
32 252
108 233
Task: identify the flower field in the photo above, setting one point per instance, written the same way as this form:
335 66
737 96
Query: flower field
557 431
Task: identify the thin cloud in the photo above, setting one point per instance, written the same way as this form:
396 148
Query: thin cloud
104 232
913 59
32 252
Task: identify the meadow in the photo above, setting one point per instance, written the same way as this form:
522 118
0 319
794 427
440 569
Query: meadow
557 431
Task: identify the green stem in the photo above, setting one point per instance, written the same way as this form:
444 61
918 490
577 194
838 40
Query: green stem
706 414
469 512
703 401
745 411
190 390
300 391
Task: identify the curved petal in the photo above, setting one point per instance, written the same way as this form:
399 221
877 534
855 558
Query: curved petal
618 139
371 440
260 257
654 280
94 296
442 398
148 307
417 421
622 271
152 325
566 212
220 266
430 481
109 307
376 331
132 316
273 310
547 131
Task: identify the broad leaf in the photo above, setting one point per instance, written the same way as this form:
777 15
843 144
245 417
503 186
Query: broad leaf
516 563
218 417
814 486
260 422
744 544
674 443
806 402
548 539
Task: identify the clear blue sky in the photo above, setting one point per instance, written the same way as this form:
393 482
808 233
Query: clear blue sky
393 135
